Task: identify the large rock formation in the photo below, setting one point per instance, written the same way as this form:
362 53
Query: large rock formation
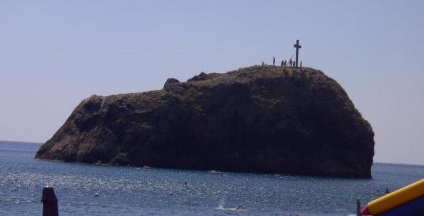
256 119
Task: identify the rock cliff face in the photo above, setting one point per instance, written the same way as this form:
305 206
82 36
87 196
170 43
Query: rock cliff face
256 119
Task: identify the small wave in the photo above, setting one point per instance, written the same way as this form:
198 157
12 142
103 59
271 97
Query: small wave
239 208
215 171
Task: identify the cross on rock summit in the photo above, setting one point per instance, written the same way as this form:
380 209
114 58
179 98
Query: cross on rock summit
297 46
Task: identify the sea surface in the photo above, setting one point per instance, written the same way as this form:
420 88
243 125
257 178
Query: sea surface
106 190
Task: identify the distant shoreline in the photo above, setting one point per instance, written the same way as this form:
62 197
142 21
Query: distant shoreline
398 164
22 142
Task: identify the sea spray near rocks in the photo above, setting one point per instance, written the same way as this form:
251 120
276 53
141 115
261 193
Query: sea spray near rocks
256 119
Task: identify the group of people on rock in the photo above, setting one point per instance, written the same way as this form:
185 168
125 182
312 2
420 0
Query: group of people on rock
289 63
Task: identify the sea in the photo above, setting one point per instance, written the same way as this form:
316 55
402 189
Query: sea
84 189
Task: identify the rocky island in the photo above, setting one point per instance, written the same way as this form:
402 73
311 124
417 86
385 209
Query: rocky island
256 119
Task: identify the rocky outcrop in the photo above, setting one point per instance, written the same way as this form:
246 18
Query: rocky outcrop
203 76
256 119
171 81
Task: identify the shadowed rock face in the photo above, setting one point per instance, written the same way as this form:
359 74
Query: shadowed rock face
256 119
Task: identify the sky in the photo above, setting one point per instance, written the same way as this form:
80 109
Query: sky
54 54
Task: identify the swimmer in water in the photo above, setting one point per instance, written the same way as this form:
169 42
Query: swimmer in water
239 208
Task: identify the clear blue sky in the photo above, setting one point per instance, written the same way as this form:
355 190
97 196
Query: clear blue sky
53 54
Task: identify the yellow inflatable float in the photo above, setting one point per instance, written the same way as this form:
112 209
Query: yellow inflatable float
408 200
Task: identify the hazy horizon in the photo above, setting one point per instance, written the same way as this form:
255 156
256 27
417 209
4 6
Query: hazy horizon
54 54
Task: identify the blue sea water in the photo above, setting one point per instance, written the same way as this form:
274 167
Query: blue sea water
138 191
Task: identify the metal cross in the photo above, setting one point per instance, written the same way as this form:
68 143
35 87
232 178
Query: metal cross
297 46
